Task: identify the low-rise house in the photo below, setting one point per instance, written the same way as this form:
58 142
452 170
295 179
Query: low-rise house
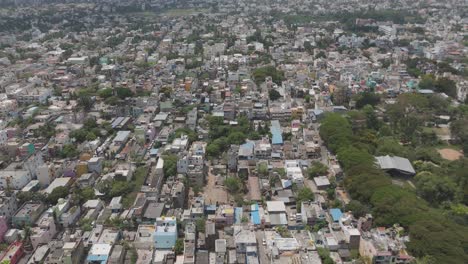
153 211
244 238
276 213
115 204
322 182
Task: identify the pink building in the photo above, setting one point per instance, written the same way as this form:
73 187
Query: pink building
13 254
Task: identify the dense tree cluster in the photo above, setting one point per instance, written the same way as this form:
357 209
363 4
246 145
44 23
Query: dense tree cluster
431 232
223 135
260 74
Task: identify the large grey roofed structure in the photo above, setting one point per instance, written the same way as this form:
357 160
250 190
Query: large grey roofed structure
403 165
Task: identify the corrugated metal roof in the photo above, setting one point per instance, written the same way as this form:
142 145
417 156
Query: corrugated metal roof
398 163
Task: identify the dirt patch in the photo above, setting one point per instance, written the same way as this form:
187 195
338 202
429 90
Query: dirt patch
214 193
450 154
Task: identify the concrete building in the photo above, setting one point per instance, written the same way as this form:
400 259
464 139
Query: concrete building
28 214
65 252
165 234
14 179
44 231
13 253
8 205
99 253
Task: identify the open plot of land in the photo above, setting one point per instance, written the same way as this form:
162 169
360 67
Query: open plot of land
214 193
450 154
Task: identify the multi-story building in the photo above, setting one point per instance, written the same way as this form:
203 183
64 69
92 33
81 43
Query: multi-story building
178 195
3 227
233 157
37 95
14 179
189 243
165 234
28 214
8 204
262 149
99 253
195 162
43 232
13 253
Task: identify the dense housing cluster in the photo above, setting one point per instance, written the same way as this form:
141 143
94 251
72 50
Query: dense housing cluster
200 131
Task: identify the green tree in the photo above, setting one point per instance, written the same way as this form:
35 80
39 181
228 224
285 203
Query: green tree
237 138
105 93
371 118
170 165
317 169
274 95
56 194
324 255
367 98
283 231
428 81
69 151
86 194
352 156
263 169
260 74
357 208
435 189
179 246
303 195
85 102
123 93
120 188
233 185
200 225
447 86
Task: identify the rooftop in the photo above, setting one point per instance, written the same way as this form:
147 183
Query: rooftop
395 163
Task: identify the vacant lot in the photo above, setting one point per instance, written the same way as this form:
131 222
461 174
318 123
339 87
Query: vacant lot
214 193
450 154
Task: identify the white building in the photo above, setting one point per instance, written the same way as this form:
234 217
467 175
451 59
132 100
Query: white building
14 179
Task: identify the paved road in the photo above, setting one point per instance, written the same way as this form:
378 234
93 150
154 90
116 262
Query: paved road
262 256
